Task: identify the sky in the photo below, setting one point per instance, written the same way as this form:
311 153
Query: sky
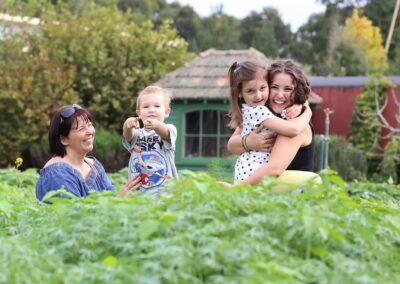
293 12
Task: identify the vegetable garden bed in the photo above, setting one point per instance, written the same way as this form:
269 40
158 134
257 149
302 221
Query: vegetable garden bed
203 233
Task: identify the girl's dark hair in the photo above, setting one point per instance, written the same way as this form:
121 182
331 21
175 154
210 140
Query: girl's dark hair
302 87
61 126
238 73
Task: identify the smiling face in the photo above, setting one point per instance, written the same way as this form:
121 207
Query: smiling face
153 106
80 138
281 92
255 92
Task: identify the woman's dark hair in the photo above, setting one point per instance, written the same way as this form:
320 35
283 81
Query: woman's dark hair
61 123
238 73
302 87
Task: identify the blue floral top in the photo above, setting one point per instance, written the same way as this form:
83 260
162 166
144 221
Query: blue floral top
61 174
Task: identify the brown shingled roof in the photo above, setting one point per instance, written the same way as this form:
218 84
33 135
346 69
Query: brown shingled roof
206 76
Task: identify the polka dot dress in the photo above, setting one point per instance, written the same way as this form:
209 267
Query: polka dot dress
249 161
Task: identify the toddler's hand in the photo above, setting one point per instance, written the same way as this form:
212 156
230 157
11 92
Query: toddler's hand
151 123
132 122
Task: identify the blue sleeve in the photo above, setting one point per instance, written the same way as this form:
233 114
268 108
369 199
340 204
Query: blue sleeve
104 181
55 178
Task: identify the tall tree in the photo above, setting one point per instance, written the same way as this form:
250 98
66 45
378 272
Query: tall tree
345 57
312 40
380 13
219 31
142 10
266 32
185 20
360 30
100 59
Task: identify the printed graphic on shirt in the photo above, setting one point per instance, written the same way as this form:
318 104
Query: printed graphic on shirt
149 143
148 162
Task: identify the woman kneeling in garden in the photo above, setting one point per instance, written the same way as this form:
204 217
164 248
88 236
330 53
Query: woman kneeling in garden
71 136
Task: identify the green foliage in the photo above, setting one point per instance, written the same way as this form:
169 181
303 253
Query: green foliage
106 141
345 57
365 125
33 79
313 39
360 31
223 169
390 166
219 31
380 12
98 59
109 151
266 32
204 233
114 59
349 161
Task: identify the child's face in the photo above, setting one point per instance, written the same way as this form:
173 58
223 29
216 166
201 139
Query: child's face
153 106
255 92
281 92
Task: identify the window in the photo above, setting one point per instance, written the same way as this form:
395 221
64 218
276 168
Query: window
206 133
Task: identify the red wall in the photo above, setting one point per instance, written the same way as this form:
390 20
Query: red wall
342 101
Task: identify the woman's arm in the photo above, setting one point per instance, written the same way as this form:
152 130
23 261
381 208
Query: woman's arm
254 141
291 127
283 152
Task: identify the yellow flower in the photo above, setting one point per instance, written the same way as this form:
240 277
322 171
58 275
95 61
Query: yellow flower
18 162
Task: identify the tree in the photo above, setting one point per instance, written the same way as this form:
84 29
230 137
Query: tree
32 81
266 32
380 13
366 125
185 20
345 57
359 30
312 40
99 59
142 10
219 31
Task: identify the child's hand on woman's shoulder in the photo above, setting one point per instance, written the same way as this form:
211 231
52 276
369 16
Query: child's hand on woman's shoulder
292 111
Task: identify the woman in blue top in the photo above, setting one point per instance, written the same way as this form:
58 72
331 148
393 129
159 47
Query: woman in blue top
71 135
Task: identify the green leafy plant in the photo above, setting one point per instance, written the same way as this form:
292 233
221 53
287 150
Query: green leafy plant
203 233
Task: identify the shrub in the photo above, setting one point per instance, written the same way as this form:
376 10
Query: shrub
99 59
109 151
365 125
343 157
390 166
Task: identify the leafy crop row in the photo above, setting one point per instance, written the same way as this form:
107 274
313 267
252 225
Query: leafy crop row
203 233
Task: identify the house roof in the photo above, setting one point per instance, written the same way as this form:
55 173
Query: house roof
206 76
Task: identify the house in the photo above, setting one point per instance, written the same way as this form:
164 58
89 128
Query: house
340 93
200 105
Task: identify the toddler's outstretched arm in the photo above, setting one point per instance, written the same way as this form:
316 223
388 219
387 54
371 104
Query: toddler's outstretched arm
129 128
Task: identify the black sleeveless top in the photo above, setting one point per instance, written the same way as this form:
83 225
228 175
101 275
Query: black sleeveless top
304 159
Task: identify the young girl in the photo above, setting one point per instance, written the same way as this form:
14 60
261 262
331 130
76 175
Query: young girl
249 93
